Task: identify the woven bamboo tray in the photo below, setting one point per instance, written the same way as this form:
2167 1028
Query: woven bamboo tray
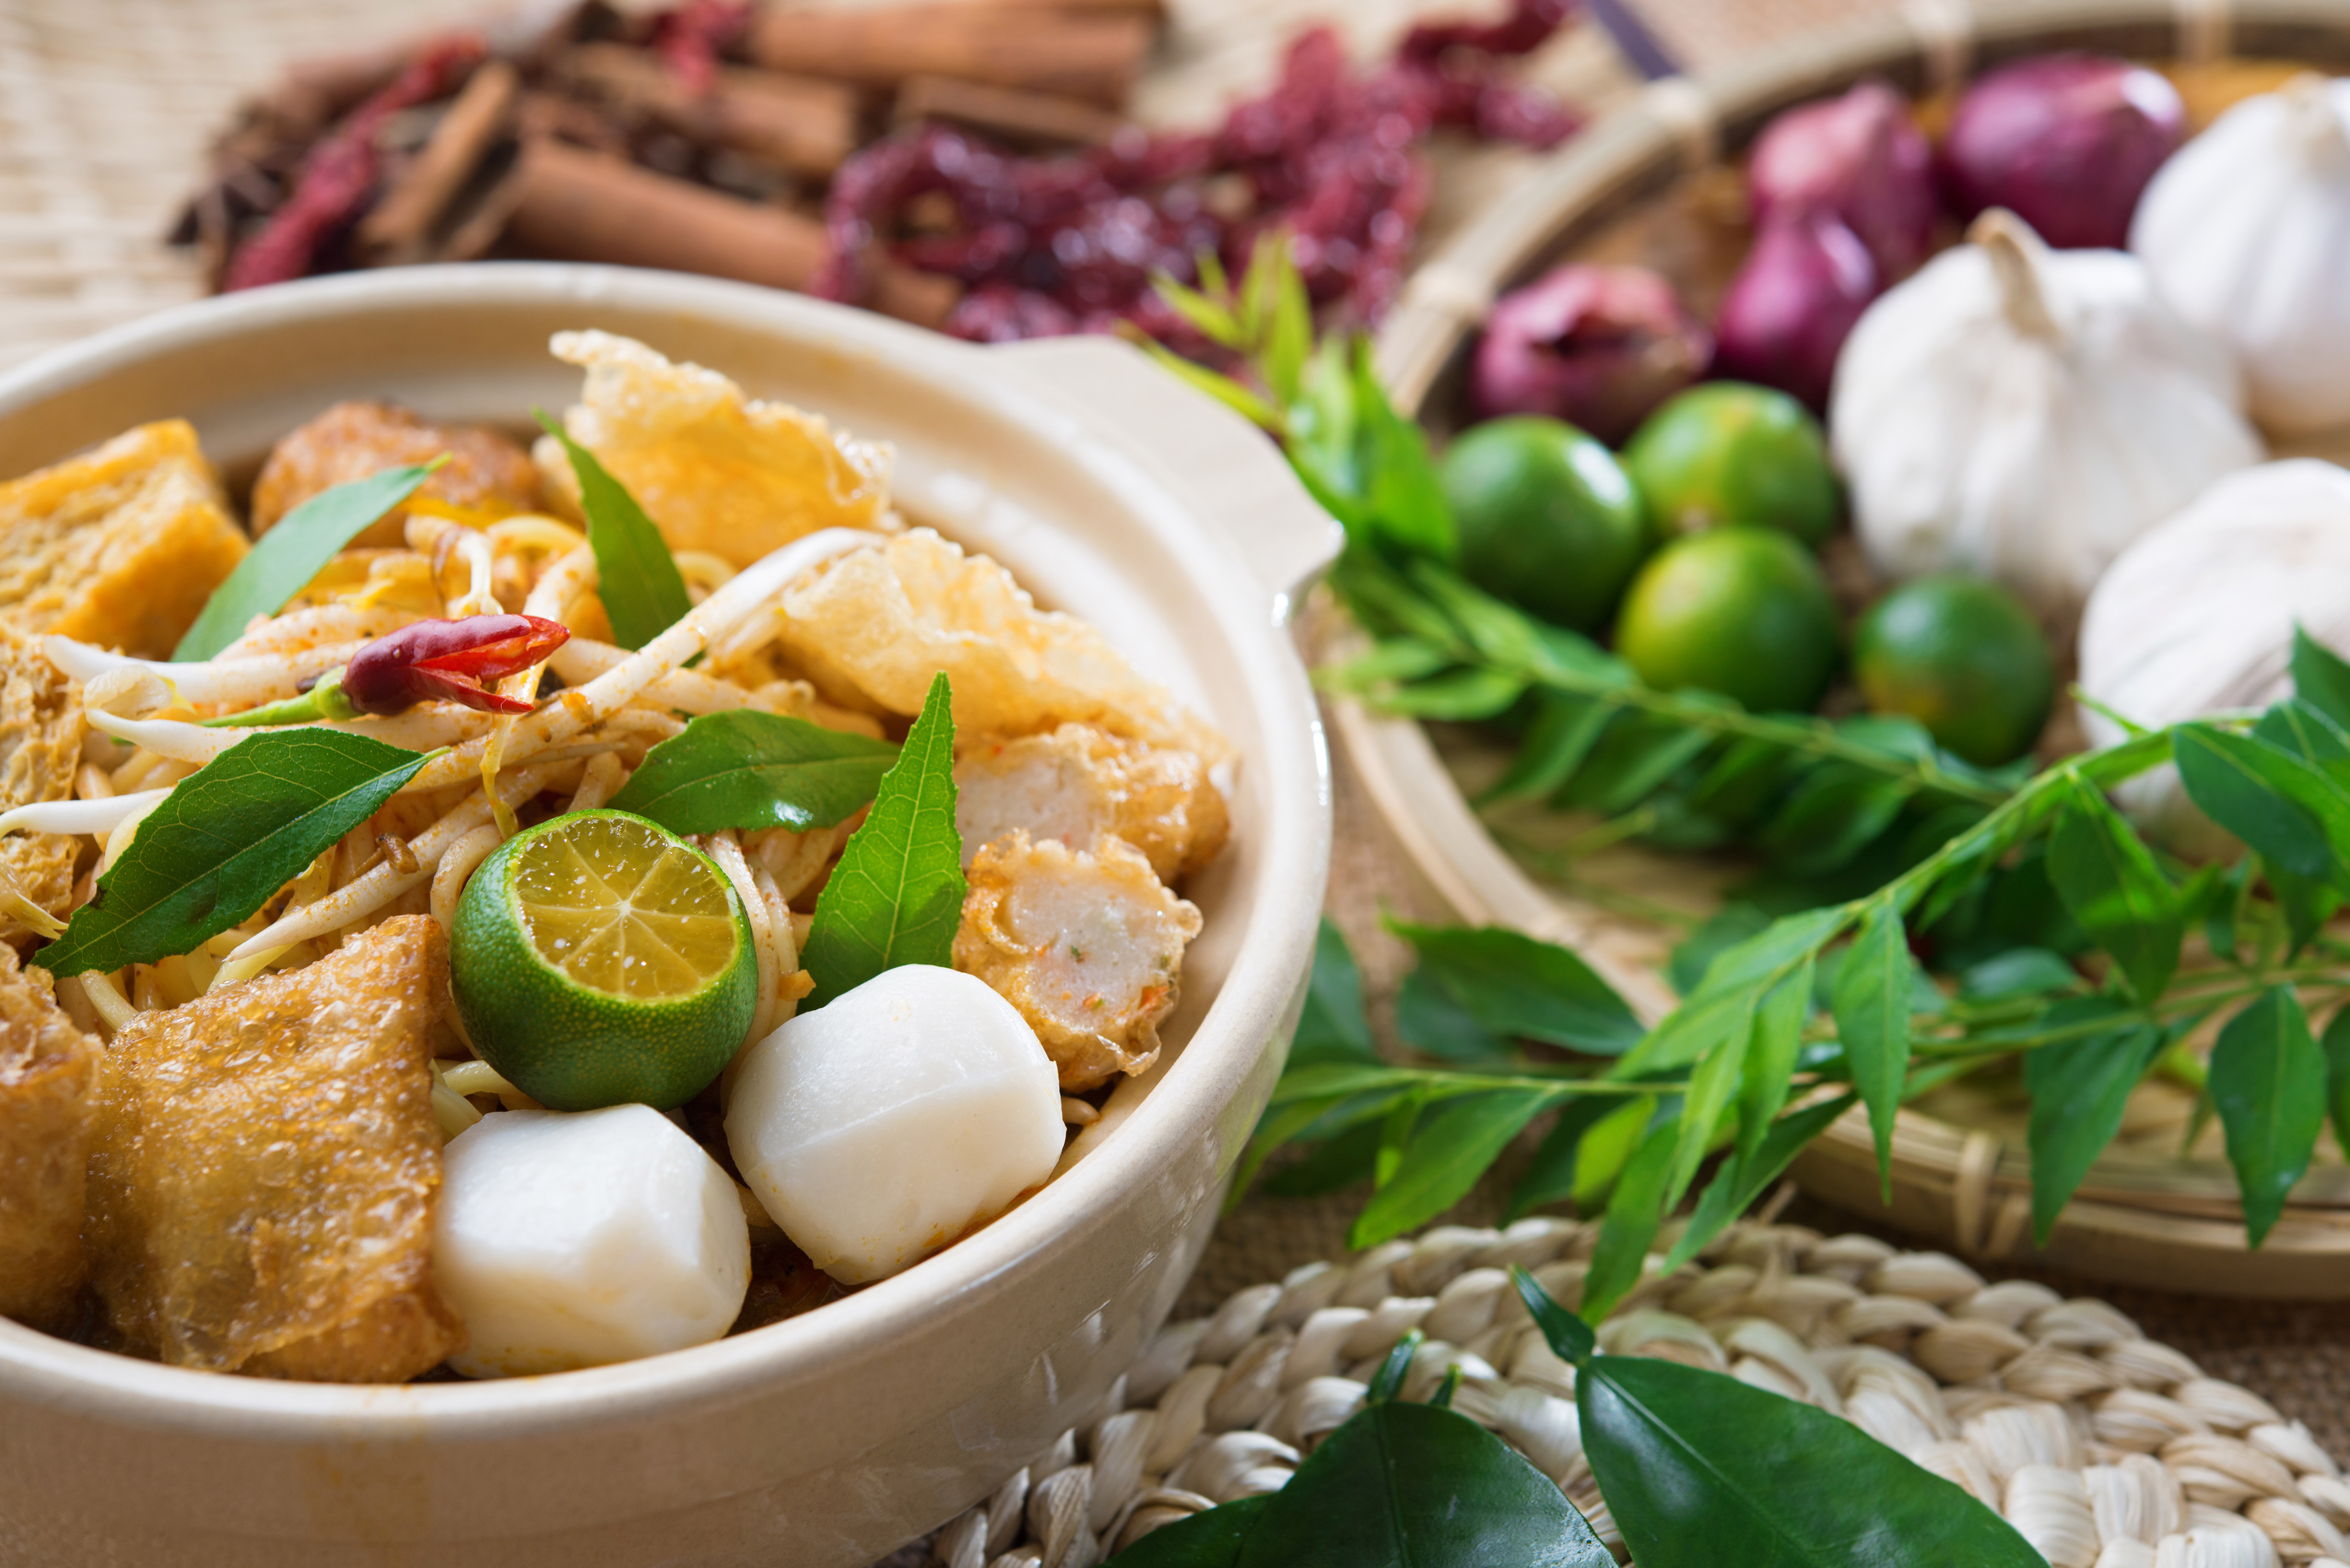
2104 1448
1656 183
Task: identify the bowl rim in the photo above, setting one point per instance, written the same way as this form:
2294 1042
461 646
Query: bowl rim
1180 1107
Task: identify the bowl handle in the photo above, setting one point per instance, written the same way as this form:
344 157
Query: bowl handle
1227 470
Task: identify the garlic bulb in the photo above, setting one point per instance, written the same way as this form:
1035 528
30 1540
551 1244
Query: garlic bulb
2247 232
2023 414
2197 618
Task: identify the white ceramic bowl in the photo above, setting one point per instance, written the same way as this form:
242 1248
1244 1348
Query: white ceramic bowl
1108 489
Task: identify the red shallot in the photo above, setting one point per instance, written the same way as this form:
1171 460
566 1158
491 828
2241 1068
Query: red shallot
1861 157
1805 282
2066 143
1598 347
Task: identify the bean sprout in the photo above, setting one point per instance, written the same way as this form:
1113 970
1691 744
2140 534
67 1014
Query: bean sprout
386 882
582 659
239 682
463 857
98 817
726 850
106 998
587 706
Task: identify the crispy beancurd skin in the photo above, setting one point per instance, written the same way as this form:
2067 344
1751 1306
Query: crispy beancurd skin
48 1073
486 472
263 1180
875 626
1077 782
717 471
41 730
1087 944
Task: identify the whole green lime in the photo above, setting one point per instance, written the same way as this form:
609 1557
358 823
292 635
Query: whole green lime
598 960
1964 657
1728 455
1745 612
1546 517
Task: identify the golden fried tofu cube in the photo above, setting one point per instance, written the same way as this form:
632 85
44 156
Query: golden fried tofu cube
119 547
1087 944
266 1167
40 747
1078 783
714 470
487 473
47 1069
874 627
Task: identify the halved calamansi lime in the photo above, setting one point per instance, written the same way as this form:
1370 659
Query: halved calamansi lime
599 959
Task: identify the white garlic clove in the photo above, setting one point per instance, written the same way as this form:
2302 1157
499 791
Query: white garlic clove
2023 414
887 1123
570 1240
2247 232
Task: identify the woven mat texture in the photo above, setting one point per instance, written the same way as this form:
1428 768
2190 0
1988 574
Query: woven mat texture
106 107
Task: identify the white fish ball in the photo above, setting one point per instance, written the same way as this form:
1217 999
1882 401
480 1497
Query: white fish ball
569 1239
881 1126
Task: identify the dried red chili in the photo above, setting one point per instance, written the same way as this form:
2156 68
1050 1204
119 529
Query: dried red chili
692 38
1330 156
338 177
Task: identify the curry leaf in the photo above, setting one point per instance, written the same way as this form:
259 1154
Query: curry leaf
1872 1005
1770 1059
1549 1175
1411 1486
2337 1076
2285 808
2078 1088
1744 1176
1449 1149
1519 987
749 769
2268 1080
1606 1147
1634 1209
2320 678
1564 731
287 556
636 576
1569 1338
1713 1085
225 840
1209 1539
895 896
1700 1470
1333 1027
2111 885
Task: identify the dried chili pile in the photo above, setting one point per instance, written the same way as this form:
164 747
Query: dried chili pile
1331 155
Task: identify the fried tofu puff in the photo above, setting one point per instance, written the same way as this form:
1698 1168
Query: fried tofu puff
1087 944
875 627
266 1167
41 728
1078 783
48 1073
486 472
714 470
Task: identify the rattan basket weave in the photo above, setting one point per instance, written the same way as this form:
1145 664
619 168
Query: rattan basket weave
2104 1448
2144 1215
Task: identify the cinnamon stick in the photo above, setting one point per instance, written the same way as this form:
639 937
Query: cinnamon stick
1081 54
580 206
801 123
402 226
1022 118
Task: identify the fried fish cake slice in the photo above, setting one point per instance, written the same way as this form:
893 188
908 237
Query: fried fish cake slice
486 472
267 1166
876 625
41 730
1087 944
47 1069
119 547
1078 783
714 470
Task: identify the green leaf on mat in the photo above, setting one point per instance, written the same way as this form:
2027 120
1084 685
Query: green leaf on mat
2269 1081
1702 1470
2337 1077
1569 1338
637 578
1872 1004
1411 1486
896 896
2109 883
1521 988
2078 1088
284 560
1635 1211
1449 1148
2320 678
225 839
748 769
1333 1027
1430 1020
1210 1539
